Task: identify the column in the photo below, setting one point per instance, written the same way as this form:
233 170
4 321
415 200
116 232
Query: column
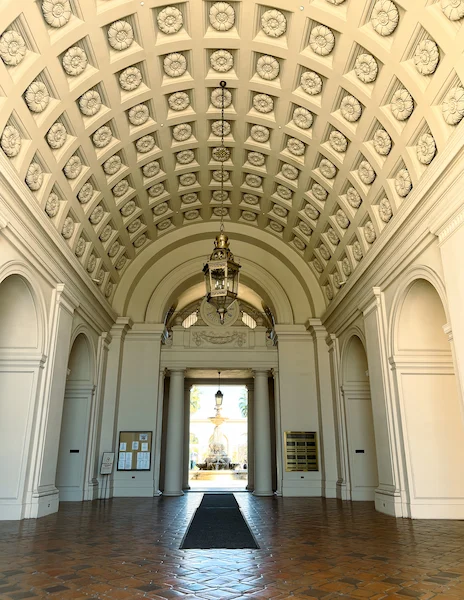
341 439
390 497
326 409
186 457
173 473
43 495
158 434
451 242
262 427
111 393
251 438
278 427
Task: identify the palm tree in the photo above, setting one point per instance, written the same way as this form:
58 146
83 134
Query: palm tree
195 398
243 404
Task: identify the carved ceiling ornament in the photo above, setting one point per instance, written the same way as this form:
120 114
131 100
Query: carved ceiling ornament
317 265
120 262
302 117
112 165
253 180
37 97
130 79
97 215
321 40
56 136
333 236
369 232
402 104
237 338
299 244
68 228
329 292
221 61
403 183
351 109
191 215
120 35
85 193
382 142
128 208
102 137
273 23
140 241
304 228
296 147
366 172
426 149
319 192
170 20
12 48
220 176
260 133
277 227
280 211
312 212
73 167
74 61
108 289
346 266
263 103
106 233
114 249
188 179
251 199
338 141
426 57
357 251
120 188
179 101
218 128
353 197
52 205
324 252
175 64
139 114
385 210
56 12
453 106
163 225
145 144
182 132
222 16
342 219
217 97
220 196
160 209
366 68
34 176
156 190
311 83
190 198
268 67
185 157
284 192
336 281
256 159
290 172
453 9
80 247
327 168
90 103
151 169
248 215
385 17
220 154
10 141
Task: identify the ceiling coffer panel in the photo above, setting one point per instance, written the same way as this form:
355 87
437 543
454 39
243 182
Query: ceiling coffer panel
334 111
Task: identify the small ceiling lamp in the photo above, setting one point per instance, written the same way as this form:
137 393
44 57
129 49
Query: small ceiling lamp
221 271
219 395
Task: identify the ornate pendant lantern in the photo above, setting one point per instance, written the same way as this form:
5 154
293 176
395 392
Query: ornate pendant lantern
221 271
219 396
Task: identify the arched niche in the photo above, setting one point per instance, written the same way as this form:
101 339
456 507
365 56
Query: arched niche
431 420
358 421
422 317
355 364
72 475
19 323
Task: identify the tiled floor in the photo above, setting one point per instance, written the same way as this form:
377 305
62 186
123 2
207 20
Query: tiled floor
310 548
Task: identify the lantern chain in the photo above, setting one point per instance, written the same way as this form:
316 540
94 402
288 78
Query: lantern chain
223 150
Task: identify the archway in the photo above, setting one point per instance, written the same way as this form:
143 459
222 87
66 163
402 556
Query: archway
362 456
432 425
20 369
71 476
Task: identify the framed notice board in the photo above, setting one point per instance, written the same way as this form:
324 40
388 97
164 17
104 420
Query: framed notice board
134 451
301 451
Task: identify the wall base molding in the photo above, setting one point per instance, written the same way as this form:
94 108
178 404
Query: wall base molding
389 503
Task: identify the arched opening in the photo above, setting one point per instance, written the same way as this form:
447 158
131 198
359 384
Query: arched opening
19 380
433 430
71 477
362 456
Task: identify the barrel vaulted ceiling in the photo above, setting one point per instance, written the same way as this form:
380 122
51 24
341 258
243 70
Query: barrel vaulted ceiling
109 113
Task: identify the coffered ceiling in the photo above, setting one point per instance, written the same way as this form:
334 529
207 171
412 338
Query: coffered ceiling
109 113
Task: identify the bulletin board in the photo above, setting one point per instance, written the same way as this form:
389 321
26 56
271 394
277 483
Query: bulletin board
301 451
134 450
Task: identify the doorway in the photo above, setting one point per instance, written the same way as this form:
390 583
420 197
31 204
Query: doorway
218 438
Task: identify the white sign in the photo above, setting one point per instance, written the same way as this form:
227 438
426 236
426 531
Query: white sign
143 460
107 463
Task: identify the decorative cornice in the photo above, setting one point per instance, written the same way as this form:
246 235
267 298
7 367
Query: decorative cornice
451 225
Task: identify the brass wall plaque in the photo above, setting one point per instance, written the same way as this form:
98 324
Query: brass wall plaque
301 451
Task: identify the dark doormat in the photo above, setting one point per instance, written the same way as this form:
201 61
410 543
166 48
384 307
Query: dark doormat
218 523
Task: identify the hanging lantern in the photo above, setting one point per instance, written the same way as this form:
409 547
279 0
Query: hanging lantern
219 396
221 271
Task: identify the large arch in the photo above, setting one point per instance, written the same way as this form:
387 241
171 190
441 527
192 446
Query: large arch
431 420
21 361
270 270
